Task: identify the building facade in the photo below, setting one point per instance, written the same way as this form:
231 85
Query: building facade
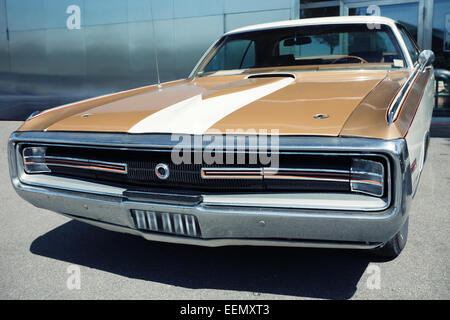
57 51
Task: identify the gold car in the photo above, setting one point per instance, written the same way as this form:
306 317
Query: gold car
310 132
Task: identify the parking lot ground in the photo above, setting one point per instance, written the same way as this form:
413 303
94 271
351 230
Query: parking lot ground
40 250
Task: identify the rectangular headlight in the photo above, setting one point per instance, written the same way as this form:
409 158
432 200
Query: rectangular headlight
367 176
34 160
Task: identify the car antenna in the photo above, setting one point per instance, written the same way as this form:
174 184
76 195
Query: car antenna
155 47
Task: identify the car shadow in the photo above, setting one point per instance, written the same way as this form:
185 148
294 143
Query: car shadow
440 130
299 272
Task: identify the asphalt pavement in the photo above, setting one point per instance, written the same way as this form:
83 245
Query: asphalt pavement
46 256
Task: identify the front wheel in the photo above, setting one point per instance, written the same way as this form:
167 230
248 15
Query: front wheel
394 246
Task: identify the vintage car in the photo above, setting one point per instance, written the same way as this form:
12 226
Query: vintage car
309 133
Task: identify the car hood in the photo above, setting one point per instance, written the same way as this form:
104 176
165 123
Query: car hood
303 103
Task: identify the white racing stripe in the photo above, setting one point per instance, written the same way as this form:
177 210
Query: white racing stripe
196 115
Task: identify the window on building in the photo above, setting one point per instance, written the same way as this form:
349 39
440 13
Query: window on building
405 13
441 49
319 12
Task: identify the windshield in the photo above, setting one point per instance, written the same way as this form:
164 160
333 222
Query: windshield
323 46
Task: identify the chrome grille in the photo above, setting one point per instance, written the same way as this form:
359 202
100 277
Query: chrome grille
134 169
171 223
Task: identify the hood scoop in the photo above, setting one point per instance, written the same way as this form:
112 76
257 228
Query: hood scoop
271 75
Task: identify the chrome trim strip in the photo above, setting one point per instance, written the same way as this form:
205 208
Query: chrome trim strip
371 173
178 222
230 241
140 219
267 173
152 222
268 170
162 196
84 164
87 164
365 182
349 202
400 97
275 177
234 173
167 224
424 63
191 225
165 142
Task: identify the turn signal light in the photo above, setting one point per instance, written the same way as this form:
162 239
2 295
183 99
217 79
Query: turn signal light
34 160
367 176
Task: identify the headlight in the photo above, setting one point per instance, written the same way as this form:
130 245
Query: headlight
367 176
34 160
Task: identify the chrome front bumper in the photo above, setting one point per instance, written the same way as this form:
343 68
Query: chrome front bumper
227 223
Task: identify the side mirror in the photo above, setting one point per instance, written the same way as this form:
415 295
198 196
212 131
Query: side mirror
426 58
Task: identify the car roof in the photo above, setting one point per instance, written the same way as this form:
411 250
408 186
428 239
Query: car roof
317 21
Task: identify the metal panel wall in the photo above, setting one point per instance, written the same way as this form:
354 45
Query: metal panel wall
192 37
4 46
66 50
237 20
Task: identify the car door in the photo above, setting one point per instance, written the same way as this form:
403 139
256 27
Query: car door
418 133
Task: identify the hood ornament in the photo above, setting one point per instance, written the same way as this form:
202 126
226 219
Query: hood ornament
321 116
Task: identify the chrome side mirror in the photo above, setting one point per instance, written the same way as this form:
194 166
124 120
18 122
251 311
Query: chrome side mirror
426 59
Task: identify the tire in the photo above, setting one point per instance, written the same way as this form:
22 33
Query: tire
427 143
394 247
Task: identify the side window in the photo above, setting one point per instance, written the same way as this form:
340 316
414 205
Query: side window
410 45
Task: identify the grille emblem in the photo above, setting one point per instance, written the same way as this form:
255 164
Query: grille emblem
162 171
